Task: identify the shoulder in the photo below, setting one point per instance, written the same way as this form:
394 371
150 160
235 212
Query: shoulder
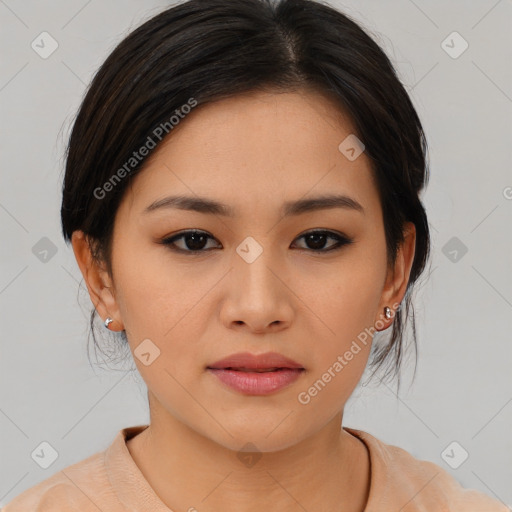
401 480
75 488
430 483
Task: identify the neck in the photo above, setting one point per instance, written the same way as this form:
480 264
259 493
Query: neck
326 471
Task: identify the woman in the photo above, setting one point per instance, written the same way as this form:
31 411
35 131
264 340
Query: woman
242 198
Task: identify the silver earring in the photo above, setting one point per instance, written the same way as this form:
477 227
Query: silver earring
108 321
387 312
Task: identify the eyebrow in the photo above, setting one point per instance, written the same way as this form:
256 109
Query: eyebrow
209 206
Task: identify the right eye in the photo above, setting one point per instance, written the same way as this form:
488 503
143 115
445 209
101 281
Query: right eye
194 241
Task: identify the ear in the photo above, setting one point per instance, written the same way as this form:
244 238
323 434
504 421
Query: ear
98 281
398 276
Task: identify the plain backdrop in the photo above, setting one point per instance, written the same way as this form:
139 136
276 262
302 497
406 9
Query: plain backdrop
462 393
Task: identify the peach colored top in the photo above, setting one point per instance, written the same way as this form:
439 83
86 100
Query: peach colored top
111 481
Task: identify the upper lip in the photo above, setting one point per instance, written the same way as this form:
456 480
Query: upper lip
256 361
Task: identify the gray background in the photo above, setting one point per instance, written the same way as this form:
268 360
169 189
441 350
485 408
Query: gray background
463 388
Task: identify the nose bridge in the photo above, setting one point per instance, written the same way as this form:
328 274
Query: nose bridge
256 296
253 263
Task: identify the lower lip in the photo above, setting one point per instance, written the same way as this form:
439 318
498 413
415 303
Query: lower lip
254 383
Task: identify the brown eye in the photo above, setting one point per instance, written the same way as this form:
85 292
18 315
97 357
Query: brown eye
195 242
316 240
192 241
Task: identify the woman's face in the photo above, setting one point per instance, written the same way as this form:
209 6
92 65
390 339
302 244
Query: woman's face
253 283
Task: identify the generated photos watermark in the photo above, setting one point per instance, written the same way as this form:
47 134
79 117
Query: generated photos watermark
304 397
158 133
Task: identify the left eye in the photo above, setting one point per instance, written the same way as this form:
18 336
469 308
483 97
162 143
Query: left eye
319 238
195 241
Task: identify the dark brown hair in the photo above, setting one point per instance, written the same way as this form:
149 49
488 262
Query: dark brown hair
213 49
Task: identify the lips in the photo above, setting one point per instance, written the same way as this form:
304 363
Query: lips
251 374
260 363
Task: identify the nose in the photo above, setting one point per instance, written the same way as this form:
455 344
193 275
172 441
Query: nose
257 297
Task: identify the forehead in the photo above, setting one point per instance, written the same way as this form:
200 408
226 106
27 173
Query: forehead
256 149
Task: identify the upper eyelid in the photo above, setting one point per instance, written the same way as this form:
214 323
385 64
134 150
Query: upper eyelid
202 232
329 232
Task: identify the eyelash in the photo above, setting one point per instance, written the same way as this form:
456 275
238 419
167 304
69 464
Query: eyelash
170 241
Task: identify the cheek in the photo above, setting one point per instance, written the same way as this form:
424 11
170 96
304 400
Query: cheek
158 302
345 303
342 342
152 295
343 297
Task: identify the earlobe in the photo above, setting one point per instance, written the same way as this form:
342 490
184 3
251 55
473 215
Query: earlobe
398 277
97 279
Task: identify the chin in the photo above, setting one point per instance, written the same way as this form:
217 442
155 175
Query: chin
267 435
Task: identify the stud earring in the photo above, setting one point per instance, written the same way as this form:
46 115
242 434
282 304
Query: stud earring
387 312
108 321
